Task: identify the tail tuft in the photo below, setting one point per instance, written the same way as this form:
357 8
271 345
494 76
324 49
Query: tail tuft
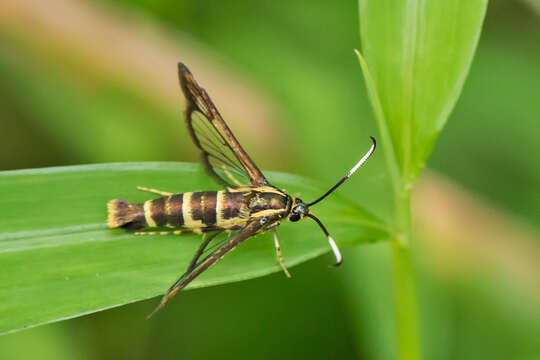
125 214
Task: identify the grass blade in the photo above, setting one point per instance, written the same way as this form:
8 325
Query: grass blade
59 260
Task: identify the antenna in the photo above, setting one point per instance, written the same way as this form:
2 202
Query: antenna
349 174
333 244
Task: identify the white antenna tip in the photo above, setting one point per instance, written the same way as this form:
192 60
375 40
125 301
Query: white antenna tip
336 251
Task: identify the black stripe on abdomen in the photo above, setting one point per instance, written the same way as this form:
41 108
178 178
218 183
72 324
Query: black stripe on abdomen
157 211
232 204
209 208
173 210
165 211
203 207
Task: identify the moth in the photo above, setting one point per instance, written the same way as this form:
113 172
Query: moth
247 206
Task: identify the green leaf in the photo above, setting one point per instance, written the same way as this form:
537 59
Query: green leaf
59 260
418 53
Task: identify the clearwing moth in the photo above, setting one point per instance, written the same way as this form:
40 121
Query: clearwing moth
249 204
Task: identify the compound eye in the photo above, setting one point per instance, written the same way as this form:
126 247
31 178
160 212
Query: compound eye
294 217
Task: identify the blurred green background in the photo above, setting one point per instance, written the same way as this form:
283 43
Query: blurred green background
86 82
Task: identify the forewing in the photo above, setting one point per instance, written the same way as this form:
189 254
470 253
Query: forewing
222 155
217 158
218 251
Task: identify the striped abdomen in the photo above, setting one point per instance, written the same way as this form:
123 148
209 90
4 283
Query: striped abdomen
196 210
200 210
193 210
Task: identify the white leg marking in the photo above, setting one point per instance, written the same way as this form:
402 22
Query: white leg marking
159 192
278 254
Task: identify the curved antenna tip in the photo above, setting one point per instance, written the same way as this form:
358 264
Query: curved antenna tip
335 249
333 245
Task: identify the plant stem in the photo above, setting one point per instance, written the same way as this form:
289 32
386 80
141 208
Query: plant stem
405 300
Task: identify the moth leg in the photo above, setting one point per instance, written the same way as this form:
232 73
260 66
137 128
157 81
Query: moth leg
279 256
178 232
172 232
231 176
159 192
201 230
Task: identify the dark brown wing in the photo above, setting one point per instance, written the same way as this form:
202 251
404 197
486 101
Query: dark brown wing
222 155
197 266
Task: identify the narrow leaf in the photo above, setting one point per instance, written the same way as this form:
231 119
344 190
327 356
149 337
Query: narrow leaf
59 260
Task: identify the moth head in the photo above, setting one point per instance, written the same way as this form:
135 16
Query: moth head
299 210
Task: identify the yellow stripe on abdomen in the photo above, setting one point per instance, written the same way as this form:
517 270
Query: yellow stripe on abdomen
148 214
187 206
231 209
